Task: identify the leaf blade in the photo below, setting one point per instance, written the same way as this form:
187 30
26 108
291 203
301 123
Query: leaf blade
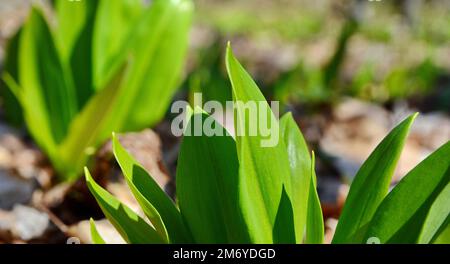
132 227
261 178
207 185
95 235
300 165
156 204
314 223
400 217
371 184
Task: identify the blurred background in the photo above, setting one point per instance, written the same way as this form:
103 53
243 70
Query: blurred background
349 70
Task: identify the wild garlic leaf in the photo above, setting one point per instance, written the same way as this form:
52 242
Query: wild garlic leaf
157 60
300 165
207 184
416 208
91 126
264 164
112 29
314 224
371 185
443 236
437 218
284 228
11 104
131 227
155 203
47 93
78 43
71 20
95 235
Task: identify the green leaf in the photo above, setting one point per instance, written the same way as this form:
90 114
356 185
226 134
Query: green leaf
11 104
416 208
72 18
93 125
113 107
80 60
314 224
95 235
300 164
371 185
264 164
48 96
156 205
131 226
284 228
158 54
207 184
444 236
437 216
114 23
132 171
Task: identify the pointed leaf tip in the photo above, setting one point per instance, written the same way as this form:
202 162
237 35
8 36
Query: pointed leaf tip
95 235
87 174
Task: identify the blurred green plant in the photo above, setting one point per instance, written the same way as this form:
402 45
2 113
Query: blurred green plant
316 85
238 191
104 66
401 82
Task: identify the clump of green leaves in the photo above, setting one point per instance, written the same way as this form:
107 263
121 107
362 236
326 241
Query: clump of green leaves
102 66
236 191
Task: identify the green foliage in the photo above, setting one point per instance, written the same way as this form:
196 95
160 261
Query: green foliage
237 191
371 184
105 66
95 235
419 205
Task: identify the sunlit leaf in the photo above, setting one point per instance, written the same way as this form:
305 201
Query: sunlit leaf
48 96
371 185
158 52
207 185
156 205
112 29
300 164
131 227
314 224
420 198
95 235
264 166
94 124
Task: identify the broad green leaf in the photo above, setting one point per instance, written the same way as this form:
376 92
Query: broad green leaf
72 18
444 236
300 164
437 216
80 56
95 235
420 198
48 96
109 110
131 227
94 124
207 184
314 227
264 164
11 105
132 171
156 205
284 228
114 23
371 184
158 60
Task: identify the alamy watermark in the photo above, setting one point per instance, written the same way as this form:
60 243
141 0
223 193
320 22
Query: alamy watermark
255 119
